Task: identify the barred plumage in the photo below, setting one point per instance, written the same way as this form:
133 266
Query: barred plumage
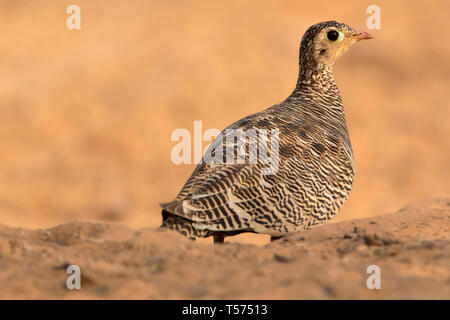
315 163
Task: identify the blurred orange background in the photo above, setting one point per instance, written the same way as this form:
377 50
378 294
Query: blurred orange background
86 115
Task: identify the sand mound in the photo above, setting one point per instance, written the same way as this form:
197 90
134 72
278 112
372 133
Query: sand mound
411 247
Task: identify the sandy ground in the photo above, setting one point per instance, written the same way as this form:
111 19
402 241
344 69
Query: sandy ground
411 247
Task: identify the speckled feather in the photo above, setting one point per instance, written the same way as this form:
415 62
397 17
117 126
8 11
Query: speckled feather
316 165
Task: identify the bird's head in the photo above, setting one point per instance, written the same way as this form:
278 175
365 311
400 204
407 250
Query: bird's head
324 42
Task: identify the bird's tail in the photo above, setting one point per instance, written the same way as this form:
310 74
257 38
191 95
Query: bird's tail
182 225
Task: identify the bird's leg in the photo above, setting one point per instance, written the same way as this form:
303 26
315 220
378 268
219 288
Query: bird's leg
218 239
273 238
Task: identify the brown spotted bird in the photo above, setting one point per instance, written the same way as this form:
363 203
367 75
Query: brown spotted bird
314 166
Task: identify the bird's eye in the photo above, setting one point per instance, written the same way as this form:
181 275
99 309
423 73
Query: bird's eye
334 35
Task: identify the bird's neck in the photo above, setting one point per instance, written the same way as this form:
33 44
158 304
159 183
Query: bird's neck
317 99
313 74
318 81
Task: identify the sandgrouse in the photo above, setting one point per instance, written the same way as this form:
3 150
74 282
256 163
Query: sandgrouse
315 165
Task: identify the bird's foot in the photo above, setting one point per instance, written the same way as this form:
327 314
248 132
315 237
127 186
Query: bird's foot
218 239
273 238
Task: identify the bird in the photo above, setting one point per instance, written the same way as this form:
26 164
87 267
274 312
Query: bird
315 166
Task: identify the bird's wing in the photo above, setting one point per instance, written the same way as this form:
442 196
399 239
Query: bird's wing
225 197
228 197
